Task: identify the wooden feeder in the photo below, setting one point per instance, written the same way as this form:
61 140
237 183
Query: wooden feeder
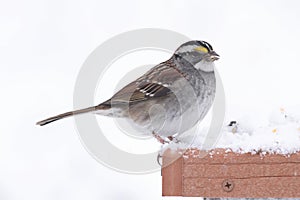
226 174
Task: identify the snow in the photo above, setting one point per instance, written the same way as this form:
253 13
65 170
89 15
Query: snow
44 43
279 133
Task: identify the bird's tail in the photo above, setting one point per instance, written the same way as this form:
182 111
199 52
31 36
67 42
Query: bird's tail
71 113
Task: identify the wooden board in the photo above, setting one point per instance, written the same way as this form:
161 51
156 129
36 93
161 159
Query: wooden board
226 174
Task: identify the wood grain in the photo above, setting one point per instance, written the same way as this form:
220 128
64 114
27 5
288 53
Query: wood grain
241 170
202 174
258 187
172 174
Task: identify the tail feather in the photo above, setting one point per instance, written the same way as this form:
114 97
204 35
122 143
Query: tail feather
69 114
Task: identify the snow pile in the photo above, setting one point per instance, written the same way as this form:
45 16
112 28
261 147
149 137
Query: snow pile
279 134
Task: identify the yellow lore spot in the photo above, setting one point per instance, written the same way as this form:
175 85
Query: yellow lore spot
274 130
202 49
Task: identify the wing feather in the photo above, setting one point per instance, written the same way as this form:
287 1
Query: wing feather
153 84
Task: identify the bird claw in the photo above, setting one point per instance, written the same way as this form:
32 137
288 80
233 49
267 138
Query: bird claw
158 159
173 139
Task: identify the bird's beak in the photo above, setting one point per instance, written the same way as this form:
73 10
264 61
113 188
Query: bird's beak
214 56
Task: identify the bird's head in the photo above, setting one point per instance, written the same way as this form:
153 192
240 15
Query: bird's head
198 53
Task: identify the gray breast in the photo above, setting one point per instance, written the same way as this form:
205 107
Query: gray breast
193 100
190 101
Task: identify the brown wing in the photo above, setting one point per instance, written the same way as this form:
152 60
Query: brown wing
154 83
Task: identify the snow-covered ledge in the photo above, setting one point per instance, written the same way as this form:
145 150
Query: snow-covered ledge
253 158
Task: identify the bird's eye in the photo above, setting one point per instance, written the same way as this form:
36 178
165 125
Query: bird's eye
202 49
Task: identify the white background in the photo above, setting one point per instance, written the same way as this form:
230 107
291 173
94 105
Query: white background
44 43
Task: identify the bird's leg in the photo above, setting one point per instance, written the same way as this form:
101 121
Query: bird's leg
160 139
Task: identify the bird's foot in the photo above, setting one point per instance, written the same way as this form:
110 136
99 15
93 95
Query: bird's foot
173 139
159 138
168 140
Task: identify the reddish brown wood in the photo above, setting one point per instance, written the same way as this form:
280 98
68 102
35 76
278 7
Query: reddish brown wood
254 176
262 187
172 174
220 156
241 170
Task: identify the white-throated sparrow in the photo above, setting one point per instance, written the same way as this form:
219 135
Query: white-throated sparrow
168 99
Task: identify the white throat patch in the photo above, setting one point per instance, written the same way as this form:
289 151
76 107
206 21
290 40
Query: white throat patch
205 66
